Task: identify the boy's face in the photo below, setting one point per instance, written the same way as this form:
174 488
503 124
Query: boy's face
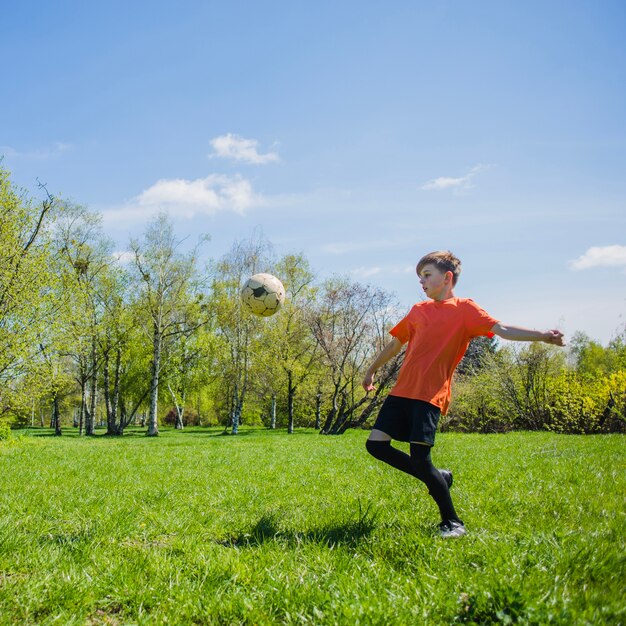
435 283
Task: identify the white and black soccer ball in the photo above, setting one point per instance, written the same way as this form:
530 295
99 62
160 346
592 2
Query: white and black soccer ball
263 294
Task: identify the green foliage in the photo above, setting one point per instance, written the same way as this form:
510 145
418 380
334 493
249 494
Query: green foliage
476 405
26 303
266 528
5 430
479 350
583 404
592 359
532 389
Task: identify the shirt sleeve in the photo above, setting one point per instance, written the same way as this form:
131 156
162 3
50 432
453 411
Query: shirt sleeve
401 331
477 321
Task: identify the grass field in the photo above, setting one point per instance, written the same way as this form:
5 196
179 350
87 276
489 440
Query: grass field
266 528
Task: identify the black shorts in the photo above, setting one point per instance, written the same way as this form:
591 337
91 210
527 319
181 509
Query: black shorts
405 419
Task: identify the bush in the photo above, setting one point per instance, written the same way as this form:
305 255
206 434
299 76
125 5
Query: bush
476 407
532 389
584 404
190 417
5 431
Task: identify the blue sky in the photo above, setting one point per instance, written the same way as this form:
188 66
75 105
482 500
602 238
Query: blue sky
362 134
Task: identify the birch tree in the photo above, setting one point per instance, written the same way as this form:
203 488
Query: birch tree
25 299
236 327
168 287
84 258
290 350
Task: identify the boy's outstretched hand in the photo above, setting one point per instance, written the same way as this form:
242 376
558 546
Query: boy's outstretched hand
554 337
368 382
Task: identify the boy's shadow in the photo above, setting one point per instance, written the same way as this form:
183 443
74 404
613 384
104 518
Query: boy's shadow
346 533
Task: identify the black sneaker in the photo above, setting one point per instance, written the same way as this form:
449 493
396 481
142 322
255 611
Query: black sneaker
451 528
447 476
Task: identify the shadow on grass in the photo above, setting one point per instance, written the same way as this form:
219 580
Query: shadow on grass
349 532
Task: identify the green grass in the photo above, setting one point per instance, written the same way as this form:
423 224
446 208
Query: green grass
266 528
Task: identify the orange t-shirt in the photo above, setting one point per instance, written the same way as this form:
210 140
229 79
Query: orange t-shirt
438 334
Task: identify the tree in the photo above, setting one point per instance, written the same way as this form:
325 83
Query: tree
478 351
350 324
168 286
122 351
83 261
592 359
25 297
190 359
293 348
235 327
523 377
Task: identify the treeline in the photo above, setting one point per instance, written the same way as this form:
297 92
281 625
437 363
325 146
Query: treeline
90 338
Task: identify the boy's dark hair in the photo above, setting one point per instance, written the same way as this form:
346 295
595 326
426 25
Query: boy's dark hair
444 261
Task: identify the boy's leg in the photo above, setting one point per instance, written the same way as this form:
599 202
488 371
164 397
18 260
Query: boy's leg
379 446
424 469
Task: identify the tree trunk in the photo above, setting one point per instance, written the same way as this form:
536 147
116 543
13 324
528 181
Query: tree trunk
90 424
83 405
291 391
112 401
107 393
123 418
332 413
238 402
318 409
180 408
153 427
236 412
236 418
116 388
56 417
273 412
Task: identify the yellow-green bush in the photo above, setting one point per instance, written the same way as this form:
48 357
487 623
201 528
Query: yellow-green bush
585 404
5 431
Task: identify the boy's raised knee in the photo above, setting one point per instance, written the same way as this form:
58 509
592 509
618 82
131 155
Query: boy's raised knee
377 448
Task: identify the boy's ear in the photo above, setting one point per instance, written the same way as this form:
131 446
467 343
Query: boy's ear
448 276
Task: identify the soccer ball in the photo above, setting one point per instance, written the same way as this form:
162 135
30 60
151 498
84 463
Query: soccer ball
263 294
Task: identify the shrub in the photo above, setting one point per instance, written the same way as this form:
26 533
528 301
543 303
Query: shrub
5 431
584 404
476 407
190 417
532 389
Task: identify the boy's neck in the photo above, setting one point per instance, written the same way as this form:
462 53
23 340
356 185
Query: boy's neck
443 297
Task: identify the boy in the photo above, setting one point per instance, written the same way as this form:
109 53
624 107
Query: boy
438 332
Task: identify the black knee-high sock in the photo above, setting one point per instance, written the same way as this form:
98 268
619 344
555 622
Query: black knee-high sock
437 486
419 465
384 451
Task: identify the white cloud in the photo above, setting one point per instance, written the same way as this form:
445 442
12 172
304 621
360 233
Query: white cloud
365 272
40 154
188 198
231 146
387 270
447 182
601 256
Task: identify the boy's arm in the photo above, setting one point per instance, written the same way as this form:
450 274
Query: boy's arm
515 333
385 355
